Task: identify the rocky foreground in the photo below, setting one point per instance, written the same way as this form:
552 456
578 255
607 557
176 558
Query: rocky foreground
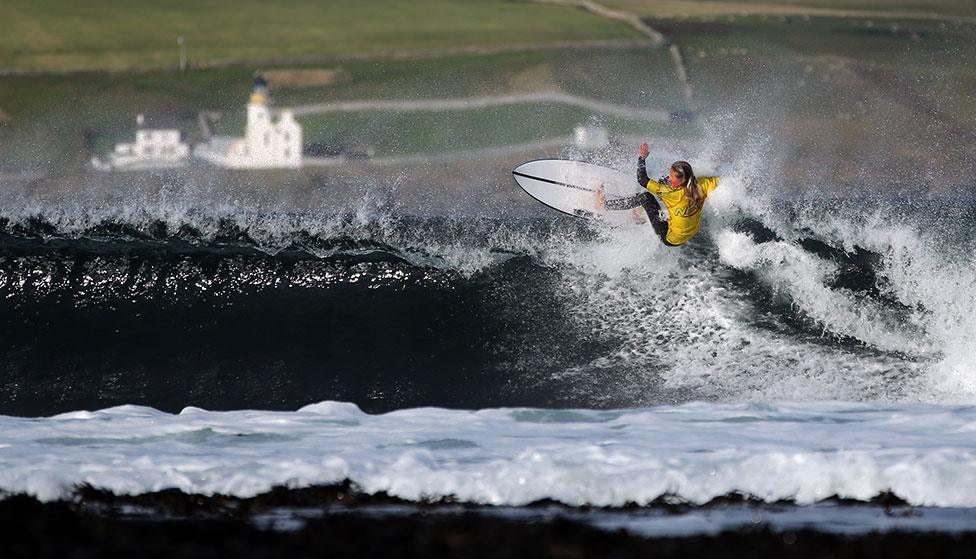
336 521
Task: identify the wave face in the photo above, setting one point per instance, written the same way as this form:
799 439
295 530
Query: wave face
803 452
228 306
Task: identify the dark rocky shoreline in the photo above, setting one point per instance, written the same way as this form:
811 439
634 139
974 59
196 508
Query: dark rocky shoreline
170 523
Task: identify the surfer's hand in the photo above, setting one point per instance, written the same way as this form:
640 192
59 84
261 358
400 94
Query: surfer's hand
600 202
644 150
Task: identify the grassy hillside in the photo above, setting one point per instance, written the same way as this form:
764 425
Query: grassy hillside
853 98
859 97
124 34
713 8
64 118
395 133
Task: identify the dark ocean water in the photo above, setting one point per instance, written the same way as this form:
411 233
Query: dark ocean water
94 322
112 316
231 311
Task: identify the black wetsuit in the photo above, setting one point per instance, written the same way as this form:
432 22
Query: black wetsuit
646 200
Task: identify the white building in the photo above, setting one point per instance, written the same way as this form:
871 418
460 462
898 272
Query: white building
267 143
154 148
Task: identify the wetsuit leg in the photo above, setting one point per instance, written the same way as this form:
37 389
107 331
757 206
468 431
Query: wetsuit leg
653 210
628 202
650 204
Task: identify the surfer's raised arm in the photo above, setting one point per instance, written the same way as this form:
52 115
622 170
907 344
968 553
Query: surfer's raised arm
642 154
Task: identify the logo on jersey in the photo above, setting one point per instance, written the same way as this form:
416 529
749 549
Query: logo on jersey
691 209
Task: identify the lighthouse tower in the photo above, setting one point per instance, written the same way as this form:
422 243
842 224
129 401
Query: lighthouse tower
268 142
258 116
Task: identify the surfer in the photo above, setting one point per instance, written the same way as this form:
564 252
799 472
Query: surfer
683 194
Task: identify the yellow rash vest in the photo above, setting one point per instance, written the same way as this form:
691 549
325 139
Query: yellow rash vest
685 214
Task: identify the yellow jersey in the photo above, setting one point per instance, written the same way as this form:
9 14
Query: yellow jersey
685 214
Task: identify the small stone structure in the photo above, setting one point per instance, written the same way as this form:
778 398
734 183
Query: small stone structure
154 148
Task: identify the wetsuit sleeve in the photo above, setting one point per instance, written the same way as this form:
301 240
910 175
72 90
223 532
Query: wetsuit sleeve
644 180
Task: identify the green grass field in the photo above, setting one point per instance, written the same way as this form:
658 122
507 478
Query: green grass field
64 118
819 61
888 91
406 133
718 8
65 35
848 97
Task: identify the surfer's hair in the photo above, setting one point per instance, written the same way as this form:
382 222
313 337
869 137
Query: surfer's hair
690 182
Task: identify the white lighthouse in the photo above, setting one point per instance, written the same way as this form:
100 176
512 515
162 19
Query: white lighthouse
268 142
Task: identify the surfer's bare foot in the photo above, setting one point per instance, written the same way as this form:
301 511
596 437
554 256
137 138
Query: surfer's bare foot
600 202
637 214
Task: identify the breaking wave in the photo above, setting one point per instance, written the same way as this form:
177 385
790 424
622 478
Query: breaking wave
222 306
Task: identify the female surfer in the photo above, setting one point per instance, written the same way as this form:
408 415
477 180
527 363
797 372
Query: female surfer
683 193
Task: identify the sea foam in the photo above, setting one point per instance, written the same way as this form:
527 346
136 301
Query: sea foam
800 452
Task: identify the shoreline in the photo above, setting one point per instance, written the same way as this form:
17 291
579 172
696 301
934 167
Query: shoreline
340 521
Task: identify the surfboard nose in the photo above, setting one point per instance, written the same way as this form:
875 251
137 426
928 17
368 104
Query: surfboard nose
537 166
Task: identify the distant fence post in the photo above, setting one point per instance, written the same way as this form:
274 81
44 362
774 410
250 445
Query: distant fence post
182 43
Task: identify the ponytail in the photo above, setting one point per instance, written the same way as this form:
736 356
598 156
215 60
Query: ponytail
692 189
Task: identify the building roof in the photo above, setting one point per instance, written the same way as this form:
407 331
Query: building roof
158 122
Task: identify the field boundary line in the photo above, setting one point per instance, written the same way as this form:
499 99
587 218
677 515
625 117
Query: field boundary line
467 103
638 23
419 54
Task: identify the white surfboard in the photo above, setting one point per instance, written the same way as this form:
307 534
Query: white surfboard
571 186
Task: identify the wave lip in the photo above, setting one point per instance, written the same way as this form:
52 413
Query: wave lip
798 452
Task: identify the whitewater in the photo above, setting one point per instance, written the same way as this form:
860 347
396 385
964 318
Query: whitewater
188 339
798 452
